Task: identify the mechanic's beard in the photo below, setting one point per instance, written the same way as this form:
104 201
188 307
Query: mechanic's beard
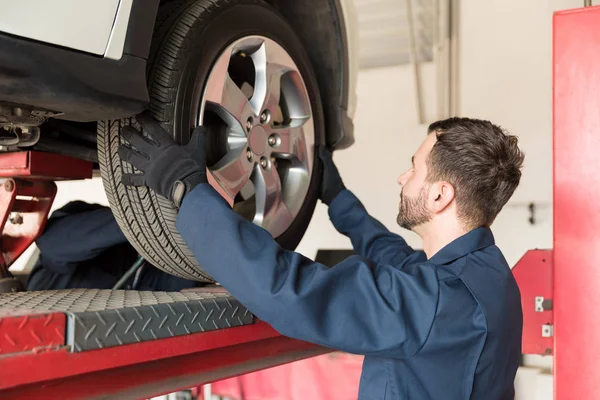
413 211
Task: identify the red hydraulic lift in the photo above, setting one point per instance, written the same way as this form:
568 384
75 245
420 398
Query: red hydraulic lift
84 343
561 287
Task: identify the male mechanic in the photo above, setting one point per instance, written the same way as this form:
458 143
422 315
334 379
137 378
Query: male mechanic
82 246
443 323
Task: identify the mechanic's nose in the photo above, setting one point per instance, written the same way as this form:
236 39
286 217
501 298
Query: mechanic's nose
403 178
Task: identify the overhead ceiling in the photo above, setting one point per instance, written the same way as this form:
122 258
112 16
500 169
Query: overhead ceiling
384 31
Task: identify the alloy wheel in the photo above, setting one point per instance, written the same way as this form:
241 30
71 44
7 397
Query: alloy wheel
260 132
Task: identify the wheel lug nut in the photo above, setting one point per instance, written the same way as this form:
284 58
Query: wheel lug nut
264 162
265 116
249 124
273 140
249 155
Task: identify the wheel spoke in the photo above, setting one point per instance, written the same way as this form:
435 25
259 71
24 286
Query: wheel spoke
281 220
273 79
224 95
271 62
271 212
232 172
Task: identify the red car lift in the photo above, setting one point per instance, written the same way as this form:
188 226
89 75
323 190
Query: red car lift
560 288
84 343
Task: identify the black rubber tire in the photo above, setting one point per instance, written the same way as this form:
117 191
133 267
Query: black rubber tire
190 35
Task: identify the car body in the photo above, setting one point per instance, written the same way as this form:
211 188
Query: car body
85 61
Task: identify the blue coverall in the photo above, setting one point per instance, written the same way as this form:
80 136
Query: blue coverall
448 327
82 246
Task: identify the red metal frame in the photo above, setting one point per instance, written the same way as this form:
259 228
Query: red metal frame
35 165
25 203
533 273
29 215
576 45
33 332
149 368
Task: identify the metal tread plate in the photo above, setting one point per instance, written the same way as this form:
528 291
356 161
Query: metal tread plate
33 330
104 318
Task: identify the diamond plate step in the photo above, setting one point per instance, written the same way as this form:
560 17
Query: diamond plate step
104 318
20 332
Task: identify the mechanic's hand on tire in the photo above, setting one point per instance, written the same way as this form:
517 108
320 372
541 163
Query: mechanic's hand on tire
170 169
331 184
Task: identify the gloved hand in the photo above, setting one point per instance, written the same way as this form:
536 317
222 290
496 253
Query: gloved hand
331 184
170 169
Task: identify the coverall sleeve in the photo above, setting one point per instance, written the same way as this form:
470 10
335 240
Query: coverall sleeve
71 239
369 237
357 306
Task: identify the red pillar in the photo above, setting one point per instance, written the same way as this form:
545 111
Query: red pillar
576 103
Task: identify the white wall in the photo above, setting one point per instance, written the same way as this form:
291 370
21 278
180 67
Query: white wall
90 190
387 134
505 76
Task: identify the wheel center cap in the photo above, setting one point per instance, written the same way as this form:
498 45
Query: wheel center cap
258 140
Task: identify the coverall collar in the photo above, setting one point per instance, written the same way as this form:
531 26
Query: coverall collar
469 242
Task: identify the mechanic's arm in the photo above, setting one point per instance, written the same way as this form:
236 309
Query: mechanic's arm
369 237
71 239
356 306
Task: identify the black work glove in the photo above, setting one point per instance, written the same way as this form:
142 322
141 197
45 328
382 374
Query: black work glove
170 169
331 184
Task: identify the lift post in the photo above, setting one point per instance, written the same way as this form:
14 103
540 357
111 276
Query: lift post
567 278
85 343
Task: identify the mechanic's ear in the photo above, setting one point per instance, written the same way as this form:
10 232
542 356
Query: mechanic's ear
441 196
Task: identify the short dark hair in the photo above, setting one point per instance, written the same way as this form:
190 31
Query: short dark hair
481 160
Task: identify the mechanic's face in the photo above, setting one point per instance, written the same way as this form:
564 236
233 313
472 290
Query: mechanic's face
414 198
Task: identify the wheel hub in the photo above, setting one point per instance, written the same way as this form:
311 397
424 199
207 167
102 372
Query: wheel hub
257 140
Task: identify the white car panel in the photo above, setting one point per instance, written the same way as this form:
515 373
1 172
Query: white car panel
84 25
116 42
351 21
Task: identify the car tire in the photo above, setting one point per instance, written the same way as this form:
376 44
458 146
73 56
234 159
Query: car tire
188 39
